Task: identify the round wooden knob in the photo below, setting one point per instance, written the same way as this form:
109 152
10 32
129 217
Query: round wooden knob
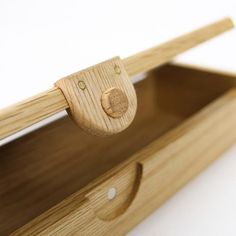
114 102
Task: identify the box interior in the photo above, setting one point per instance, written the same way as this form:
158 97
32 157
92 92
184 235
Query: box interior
42 168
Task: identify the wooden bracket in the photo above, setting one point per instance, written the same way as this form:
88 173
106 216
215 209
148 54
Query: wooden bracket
101 99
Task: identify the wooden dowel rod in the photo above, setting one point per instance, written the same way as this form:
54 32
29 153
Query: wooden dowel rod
41 106
28 112
156 56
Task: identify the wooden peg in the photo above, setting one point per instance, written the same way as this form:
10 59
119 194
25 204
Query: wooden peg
115 102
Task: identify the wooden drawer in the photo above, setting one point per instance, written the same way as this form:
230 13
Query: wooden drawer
59 180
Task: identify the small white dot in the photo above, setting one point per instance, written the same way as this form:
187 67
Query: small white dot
111 194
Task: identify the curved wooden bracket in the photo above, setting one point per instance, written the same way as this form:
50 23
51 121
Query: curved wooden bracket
101 99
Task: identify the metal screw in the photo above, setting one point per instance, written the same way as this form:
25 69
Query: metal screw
82 84
117 69
111 194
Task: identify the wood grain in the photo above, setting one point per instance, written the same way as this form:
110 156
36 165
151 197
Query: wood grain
156 56
85 104
114 102
167 164
26 113
42 168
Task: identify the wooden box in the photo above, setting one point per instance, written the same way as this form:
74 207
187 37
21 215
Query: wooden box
59 180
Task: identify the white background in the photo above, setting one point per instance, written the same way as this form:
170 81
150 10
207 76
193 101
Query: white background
42 41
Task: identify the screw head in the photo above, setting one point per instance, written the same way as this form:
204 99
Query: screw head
111 193
82 84
117 69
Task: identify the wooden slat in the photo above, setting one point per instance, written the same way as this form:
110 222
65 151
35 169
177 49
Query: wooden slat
32 110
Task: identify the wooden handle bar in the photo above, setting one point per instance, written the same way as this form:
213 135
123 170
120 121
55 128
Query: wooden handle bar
156 56
43 105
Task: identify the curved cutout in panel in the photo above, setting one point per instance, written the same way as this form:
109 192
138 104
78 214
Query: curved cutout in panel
113 197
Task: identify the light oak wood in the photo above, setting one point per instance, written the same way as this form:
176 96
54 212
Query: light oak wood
48 103
85 102
43 168
151 176
28 112
156 56
114 102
